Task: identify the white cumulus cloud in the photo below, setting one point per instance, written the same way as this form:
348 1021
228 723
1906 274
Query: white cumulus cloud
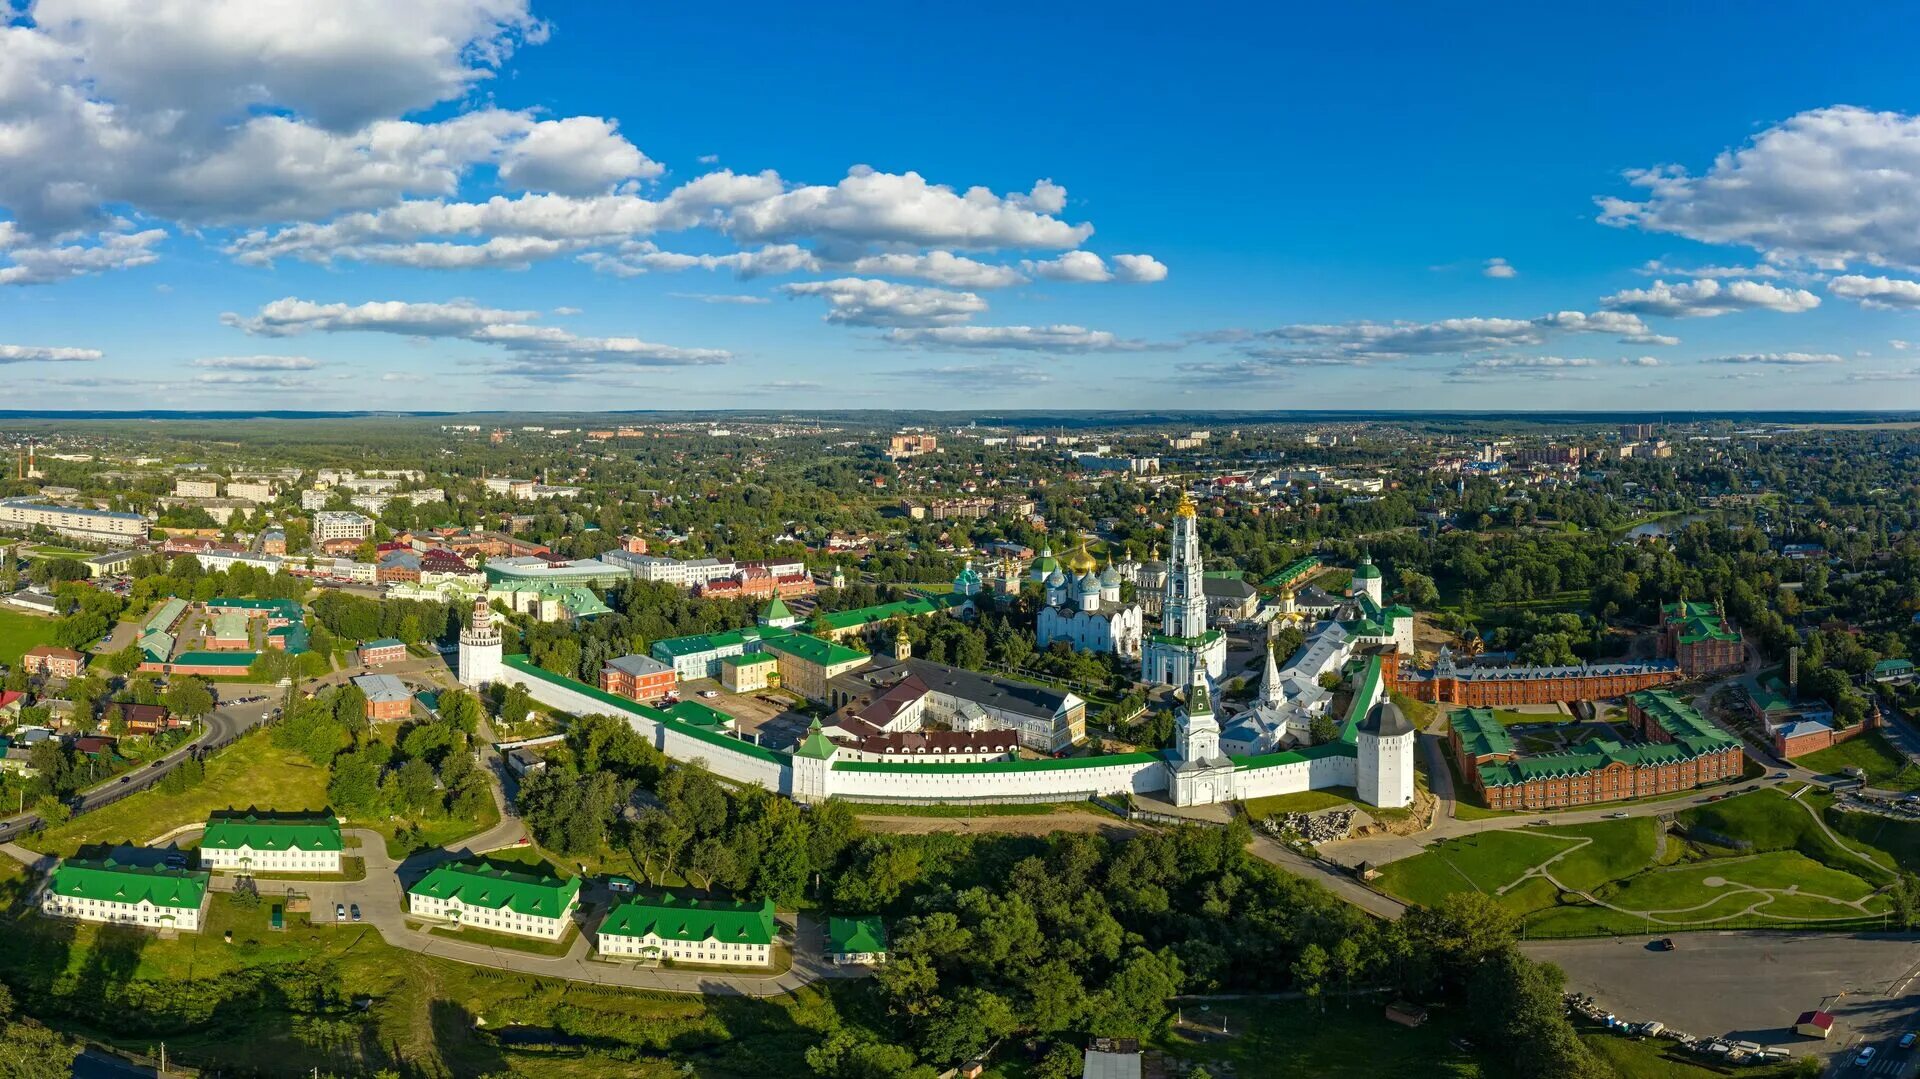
1882 292
1707 297
1831 185
44 354
858 301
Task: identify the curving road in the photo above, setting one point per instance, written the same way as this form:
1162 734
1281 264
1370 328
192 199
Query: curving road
228 721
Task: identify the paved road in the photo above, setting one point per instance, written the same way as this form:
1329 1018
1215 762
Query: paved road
228 721
1753 985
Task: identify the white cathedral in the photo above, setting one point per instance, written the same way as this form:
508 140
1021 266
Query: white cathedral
1085 610
1184 643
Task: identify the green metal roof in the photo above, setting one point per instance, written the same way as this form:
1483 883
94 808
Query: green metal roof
480 884
694 643
1892 666
297 638
1481 733
776 608
697 713
1065 764
816 746
225 832
749 659
228 625
215 659
912 607
1291 572
165 614
672 918
110 882
277 608
1363 692
385 642
856 935
622 706
815 650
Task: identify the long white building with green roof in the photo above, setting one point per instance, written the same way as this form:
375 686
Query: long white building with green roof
496 899
674 929
150 896
265 843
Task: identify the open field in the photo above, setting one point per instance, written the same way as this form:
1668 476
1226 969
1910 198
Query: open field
251 772
1769 820
1489 862
1300 802
1885 767
1624 877
19 632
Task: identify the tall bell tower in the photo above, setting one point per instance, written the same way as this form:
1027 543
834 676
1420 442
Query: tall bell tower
480 648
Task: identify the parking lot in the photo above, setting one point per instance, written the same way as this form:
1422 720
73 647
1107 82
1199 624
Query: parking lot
770 715
1751 987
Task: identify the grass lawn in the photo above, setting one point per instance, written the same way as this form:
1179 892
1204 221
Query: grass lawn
1769 820
1299 802
1684 887
1469 811
1899 840
1289 1038
19 632
277 1003
252 772
508 940
1885 766
1485 862
1620 848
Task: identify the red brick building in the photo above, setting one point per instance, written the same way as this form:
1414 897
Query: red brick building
1700 639
1494 687
638 678
1680 750
757 582
384 650
54 660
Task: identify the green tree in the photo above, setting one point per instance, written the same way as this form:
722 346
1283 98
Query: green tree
1309 971
189 697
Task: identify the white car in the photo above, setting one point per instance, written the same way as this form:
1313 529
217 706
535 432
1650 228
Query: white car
1865 1058
709 693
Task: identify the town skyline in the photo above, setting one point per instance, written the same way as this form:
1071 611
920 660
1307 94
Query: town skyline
529 206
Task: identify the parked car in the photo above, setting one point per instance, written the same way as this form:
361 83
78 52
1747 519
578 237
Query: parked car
1664 944
1779 775
356 912
339 912
709 694
1618 815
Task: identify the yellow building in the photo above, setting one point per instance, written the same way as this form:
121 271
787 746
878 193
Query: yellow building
806 663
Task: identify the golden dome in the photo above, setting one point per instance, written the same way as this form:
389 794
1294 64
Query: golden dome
1081 562
1186 507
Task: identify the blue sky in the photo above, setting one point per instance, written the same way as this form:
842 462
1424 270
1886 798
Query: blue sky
485 204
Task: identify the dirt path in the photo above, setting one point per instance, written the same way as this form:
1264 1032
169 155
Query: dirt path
1040 824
